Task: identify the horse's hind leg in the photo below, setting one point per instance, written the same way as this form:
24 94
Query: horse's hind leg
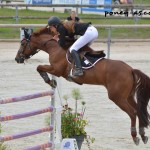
132 103
142 133
43 69
130 110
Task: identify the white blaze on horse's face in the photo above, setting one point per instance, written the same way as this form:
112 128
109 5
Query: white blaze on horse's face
22 35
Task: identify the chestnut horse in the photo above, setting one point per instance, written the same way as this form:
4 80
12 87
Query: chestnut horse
122 82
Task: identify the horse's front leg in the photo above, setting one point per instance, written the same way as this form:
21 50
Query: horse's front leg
43 69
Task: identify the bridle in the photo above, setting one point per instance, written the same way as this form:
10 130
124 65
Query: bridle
26 43
21 51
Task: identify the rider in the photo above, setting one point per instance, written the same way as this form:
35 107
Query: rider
87 33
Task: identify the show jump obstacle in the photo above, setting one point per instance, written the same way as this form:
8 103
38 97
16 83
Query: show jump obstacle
55 122
50 128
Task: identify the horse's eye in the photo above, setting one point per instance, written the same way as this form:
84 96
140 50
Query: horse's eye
22 43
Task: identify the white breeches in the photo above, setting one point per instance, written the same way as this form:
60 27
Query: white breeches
89 36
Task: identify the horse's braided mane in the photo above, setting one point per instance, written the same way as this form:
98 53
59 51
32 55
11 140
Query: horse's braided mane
41 31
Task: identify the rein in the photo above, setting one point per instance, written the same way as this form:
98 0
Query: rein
48 41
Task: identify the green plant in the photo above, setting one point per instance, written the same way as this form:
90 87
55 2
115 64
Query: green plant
2 146
73 122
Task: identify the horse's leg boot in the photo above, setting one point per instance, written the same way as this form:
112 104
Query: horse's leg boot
78 70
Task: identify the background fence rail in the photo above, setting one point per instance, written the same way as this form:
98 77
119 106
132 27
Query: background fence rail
98 26
108 27
147 6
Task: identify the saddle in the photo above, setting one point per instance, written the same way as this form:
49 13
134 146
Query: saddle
88 56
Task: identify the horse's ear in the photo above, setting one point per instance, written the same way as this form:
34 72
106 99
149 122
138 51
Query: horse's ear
28 33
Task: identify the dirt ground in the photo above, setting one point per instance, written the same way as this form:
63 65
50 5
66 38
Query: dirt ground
109 125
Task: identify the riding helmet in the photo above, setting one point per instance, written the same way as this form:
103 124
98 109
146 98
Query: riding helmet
53 21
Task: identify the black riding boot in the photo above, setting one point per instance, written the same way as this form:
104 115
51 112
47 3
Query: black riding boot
78 70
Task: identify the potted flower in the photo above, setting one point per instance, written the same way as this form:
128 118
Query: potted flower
73 122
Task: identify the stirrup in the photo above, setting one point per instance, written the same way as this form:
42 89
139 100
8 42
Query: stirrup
78 72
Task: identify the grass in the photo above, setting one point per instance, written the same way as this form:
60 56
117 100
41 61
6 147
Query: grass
141 2
6 33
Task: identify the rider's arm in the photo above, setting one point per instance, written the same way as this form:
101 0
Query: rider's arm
56 37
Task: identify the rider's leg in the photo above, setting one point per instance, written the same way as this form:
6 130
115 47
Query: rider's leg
90 35
78 70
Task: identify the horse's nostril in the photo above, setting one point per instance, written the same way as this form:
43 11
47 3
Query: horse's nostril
16 59
19 60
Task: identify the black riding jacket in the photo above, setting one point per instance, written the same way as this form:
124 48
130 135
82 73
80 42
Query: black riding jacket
79 29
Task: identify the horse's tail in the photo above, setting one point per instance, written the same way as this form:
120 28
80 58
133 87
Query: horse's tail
142 88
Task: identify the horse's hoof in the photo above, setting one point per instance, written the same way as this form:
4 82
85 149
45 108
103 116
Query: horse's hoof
144 139
136 141
53 83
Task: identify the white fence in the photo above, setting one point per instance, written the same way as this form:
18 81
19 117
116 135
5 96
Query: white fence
96 25
109 27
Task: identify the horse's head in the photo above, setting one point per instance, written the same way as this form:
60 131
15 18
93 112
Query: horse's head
32 43
25 50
